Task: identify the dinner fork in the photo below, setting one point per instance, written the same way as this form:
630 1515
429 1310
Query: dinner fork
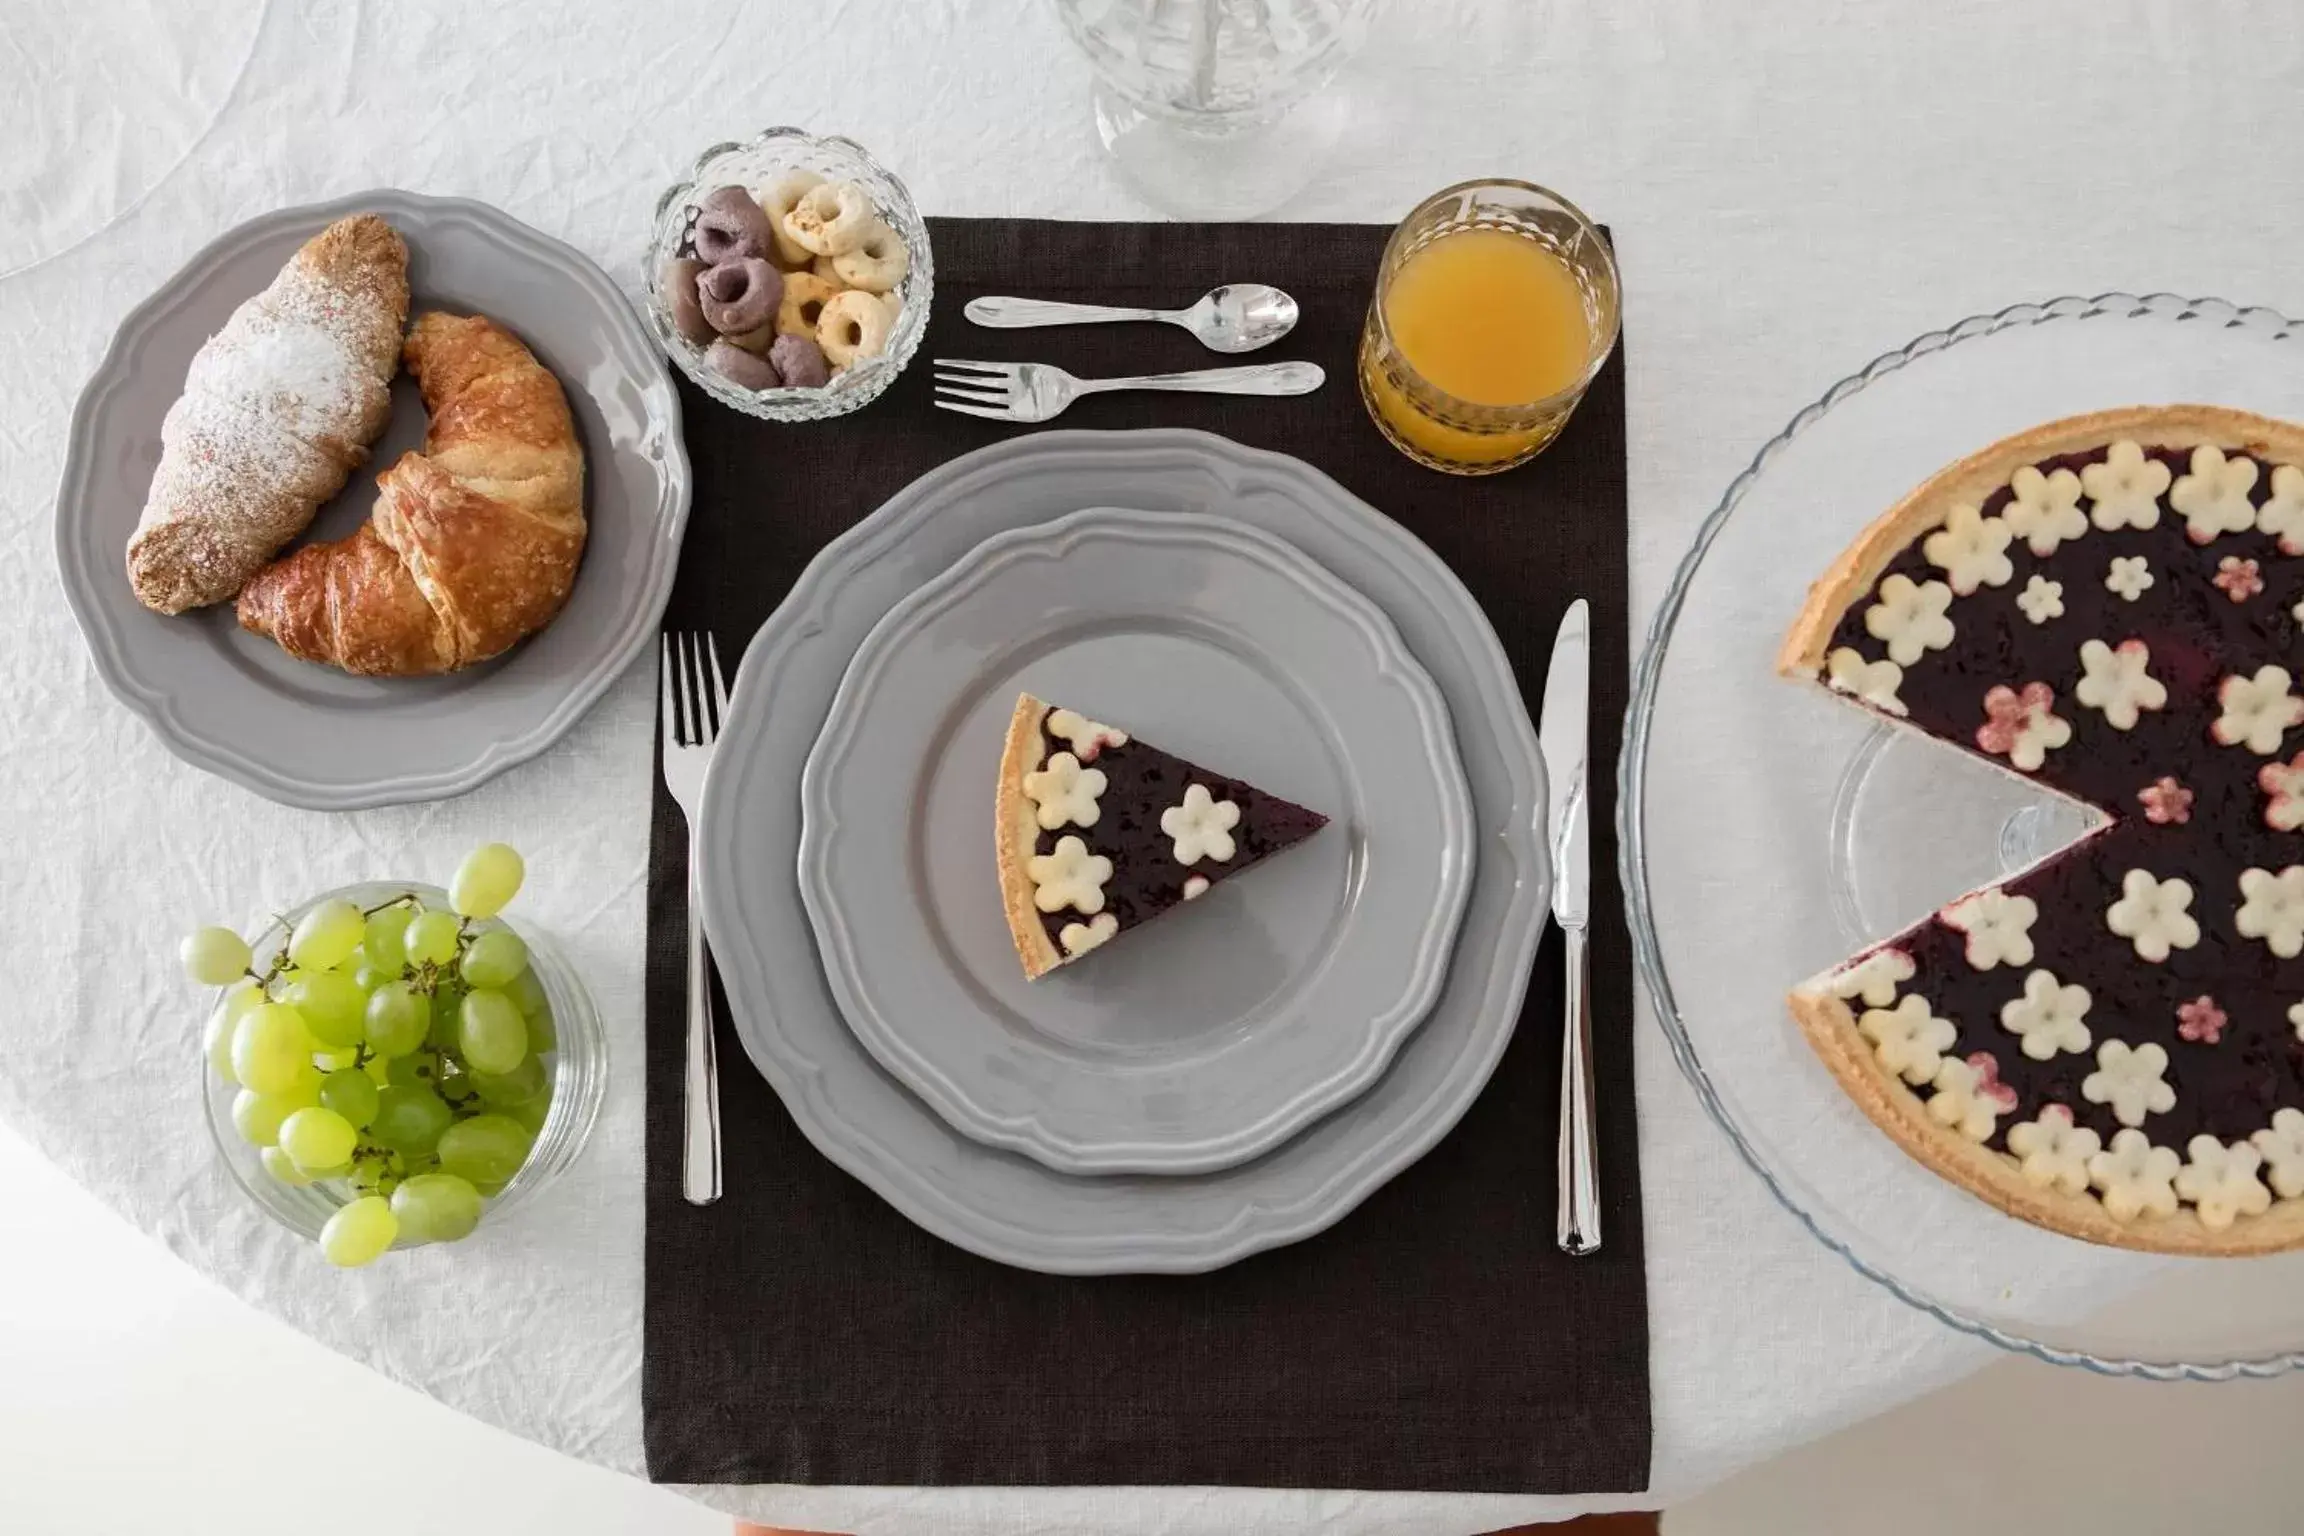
1031 392
695 703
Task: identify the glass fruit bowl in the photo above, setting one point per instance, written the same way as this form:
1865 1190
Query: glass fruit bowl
1843 831
759 162
570 1042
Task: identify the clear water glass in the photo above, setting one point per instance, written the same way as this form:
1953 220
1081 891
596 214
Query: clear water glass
1217 109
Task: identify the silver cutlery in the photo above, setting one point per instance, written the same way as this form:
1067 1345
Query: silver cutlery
1237 317
1565 735
1030 392
695 702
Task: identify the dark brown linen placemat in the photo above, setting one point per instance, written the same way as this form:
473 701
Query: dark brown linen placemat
801 1331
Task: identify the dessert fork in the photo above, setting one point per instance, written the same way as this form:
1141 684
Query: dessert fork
695 702
1030 392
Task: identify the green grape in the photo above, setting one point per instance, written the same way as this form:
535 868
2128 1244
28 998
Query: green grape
336 1061
543 1034
417 1069
526 990
379 1070
326 936
258 1116
431 938
387 936
487 880
410 1119
458 1091
352 1094
283 1167
367 978
485 1148
533 1113
490 1188
493 958
271 1048
490 1034
373 1172
436 1207
447 1005
214 957
318 1137
359 1233
216 1038
509 1089
332 1004
396 1019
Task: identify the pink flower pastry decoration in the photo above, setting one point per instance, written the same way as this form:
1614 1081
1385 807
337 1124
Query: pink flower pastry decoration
2201 1021
2167 802
2240 579
1989 1088
2022 727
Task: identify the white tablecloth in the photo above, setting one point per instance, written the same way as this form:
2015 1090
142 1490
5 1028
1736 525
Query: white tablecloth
1794 188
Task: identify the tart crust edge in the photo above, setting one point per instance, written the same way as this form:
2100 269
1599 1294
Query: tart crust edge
1017 828
1991 1176
1850 577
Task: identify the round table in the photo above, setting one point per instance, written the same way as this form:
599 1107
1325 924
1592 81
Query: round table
1792 192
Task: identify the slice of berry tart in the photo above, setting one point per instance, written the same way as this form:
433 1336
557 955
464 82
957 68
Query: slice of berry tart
2111 1043
1100 832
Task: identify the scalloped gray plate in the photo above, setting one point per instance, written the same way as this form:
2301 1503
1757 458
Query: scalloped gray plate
236 704
1217 1033
995 1203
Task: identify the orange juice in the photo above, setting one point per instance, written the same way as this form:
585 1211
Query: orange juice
1489 317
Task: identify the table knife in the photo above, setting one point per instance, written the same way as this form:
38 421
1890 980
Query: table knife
1565 734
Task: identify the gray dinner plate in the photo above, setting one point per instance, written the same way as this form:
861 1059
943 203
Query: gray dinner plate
236 704
998 1204
1209 1037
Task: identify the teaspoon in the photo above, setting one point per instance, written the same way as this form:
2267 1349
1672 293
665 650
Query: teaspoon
1237 317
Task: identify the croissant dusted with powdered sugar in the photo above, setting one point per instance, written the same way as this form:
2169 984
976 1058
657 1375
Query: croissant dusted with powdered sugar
474 541
278 407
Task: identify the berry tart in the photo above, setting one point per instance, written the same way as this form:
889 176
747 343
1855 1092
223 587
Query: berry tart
2111 1043
1100 832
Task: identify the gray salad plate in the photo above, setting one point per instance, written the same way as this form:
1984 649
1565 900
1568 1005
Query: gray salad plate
236 704
998 1204
1213 1035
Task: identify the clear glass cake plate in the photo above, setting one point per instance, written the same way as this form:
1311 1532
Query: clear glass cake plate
1769 831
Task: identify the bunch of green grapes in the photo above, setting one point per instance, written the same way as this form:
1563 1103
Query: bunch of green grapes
401 1054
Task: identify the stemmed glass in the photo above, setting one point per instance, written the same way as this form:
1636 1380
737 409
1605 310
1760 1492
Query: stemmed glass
1217 109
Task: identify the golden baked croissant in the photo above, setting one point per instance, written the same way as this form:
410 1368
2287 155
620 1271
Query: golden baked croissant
474 542
278 407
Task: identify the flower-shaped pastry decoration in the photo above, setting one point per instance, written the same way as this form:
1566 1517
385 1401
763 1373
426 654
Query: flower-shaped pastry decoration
2201 1021
1970 549
1874 978
2153 914
2023 727
1875 682
2134 1177
2041 599
2130 1080
2272 909
1967 1100
1079 938
2213 498
2048 1017
2126 488
1069 876
1201 827
2117 682
2282 1145
2240 579
2283 515
2284 784
1064 793
1908 1039
2220 1182
1998 926
2255 712
1910 618
2129 577
1087 737
2296 1020
2166 801
2052 1152
2044 510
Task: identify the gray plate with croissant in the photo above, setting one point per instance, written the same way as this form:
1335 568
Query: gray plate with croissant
371 501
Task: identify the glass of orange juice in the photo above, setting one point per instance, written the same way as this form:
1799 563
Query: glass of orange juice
1495 305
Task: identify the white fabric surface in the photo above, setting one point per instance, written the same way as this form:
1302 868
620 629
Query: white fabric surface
1794 188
